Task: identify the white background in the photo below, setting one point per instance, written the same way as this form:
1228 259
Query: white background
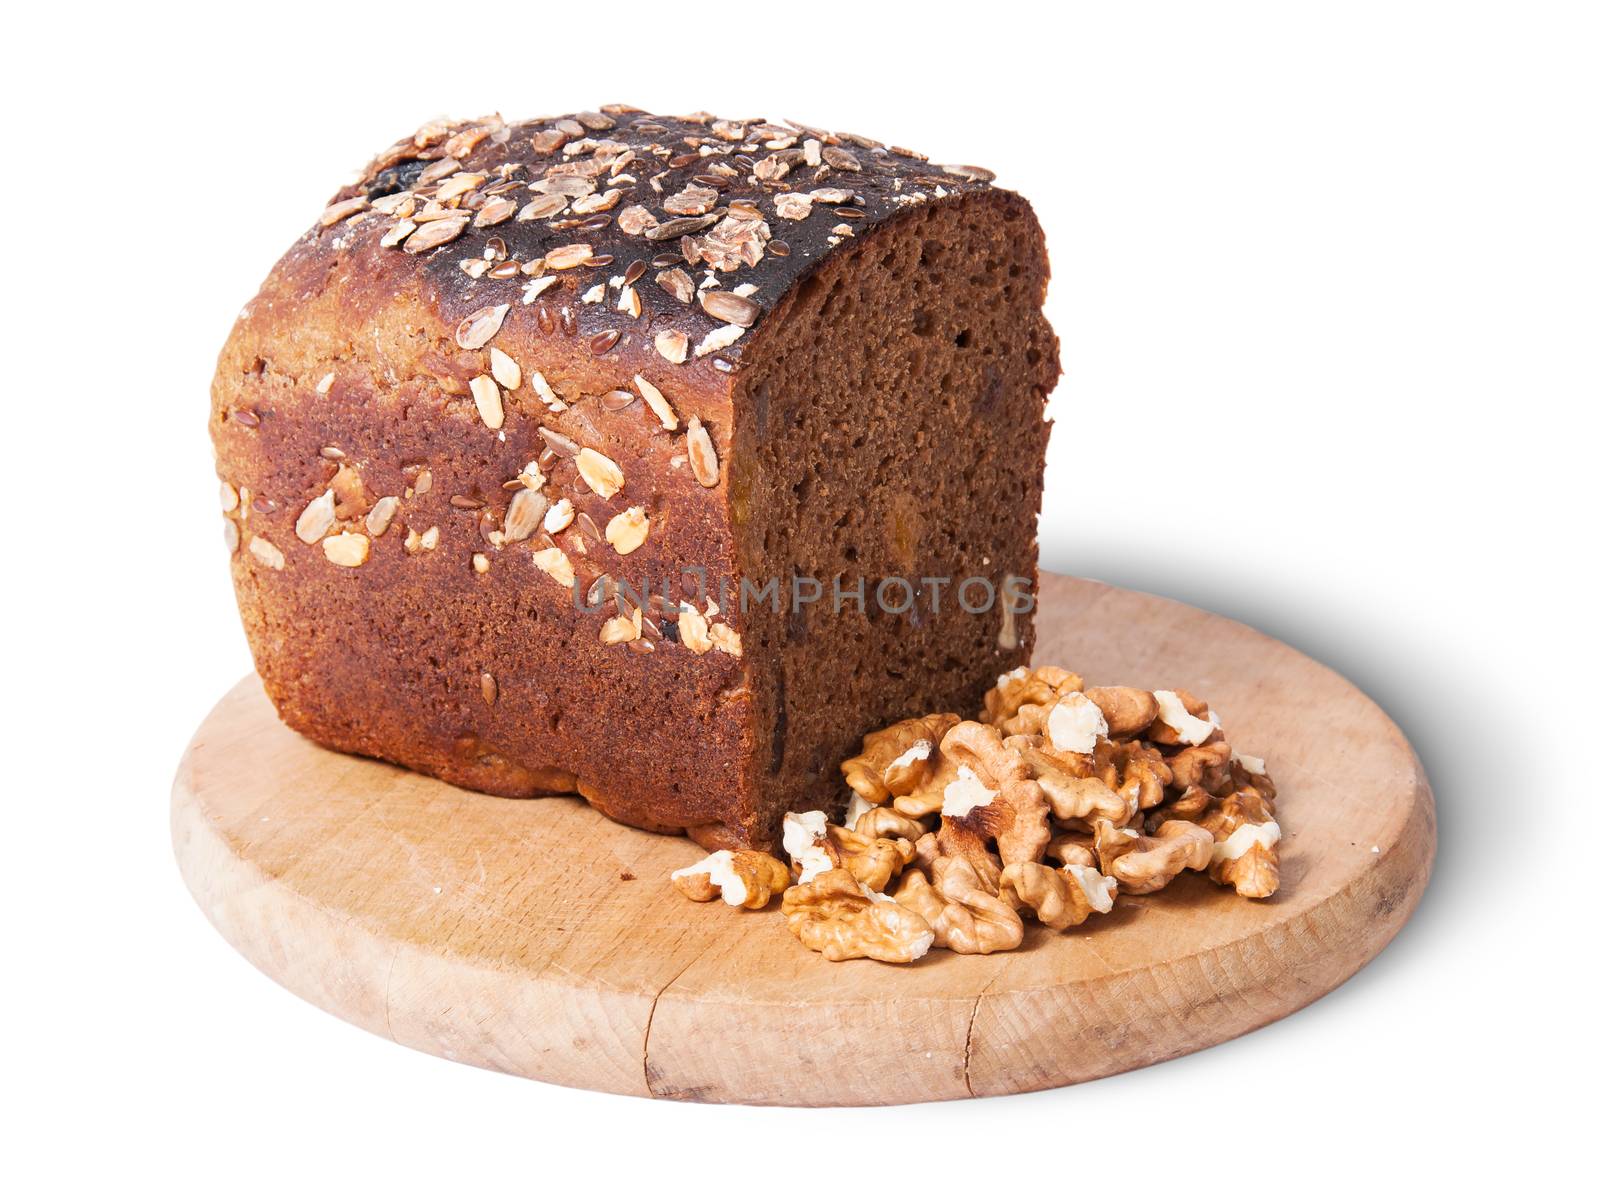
1326 282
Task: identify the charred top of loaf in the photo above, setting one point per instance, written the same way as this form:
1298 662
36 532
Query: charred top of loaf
613 222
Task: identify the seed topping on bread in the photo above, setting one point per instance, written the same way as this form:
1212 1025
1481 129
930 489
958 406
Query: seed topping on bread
622 190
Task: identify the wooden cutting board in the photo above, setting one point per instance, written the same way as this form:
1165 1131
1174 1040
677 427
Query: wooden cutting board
537 937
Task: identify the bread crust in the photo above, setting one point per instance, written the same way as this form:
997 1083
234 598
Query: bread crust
465 658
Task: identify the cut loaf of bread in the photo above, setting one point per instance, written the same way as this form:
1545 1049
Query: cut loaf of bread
534 448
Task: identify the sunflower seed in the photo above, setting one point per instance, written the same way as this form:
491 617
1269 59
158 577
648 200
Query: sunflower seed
556 564
486 396
673 345
398 232
627 530
479 328
599 472
381 515
266 553
621 629
558 517
564 258
702 454
523 514
458 185
340 210
635 220
346 549
721 338
506 371
677 284
678 227
315 519
793 206
435 233
841 159
657 402
599 590
588 528
547 395
494 211
534 288
558 443
542 206
730 308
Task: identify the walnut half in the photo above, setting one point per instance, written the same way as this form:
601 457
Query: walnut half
1058 898
1245 853
1144 864
963 915
815 847
993 797
898 759
834 915
1025 687
741 877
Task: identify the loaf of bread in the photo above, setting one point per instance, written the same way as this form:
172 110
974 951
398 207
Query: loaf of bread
639 457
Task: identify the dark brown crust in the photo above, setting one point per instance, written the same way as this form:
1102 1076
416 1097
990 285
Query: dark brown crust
349 351
885 184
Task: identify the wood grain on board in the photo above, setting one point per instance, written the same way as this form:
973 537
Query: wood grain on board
538 938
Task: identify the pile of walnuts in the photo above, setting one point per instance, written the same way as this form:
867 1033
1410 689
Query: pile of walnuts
1055 801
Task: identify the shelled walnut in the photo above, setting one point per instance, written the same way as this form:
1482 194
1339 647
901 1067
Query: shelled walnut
740 877
898 759
1057 801
1245 836
837 916
1059 898
1144 863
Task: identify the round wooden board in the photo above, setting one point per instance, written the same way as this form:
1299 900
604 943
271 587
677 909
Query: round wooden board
537 937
